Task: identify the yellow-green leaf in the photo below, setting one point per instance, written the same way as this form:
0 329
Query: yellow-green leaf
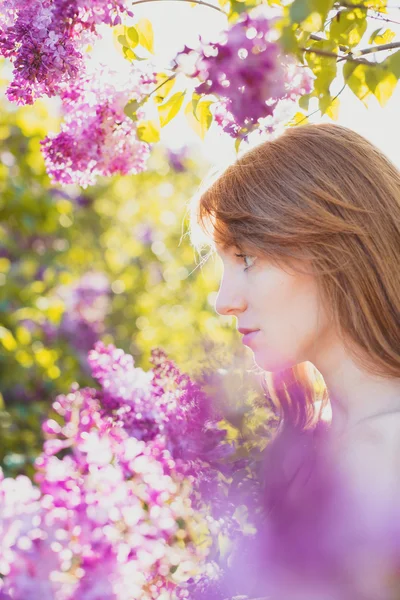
333 109
392 63
381 82
301 11
298 119
132 35
170 109
144 29
348 27
165 88
204 115
148 131
123 40
131 108
130 55
203 119
385 38
355 77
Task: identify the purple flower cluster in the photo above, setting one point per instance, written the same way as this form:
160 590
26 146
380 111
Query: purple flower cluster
45 40
112 517
248 73
97 138
87 303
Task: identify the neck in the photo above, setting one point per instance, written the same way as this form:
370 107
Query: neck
356 395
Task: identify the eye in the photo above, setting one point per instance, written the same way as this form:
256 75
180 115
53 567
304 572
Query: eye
247 259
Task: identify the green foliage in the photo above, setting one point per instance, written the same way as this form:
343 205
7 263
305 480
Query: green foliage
322 34
348 27
49 237
170 108
148 131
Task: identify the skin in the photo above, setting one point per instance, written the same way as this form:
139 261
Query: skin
294 327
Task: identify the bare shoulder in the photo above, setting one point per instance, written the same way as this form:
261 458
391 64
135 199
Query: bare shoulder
370 456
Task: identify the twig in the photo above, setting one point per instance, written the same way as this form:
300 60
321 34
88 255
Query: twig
372 49
200 2
318 38
380 18
362 6
337 56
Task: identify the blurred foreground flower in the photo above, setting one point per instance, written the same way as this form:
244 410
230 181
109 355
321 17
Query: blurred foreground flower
112 516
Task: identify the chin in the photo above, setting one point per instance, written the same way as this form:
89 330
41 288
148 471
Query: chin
273 364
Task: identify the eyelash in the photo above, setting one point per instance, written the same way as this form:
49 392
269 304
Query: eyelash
245 256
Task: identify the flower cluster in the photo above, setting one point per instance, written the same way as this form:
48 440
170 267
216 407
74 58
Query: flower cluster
112 514
87 303
97 137
249 74
45 40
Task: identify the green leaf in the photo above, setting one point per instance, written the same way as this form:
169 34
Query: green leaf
170 109
381 82
288 39
203 114
130 109
312 12
392 63
386 37
355 77
348 27
148 131
298 119
123 40
165 88
132 35
304 101
203 119
329 106
144 29
195 100
374 35
130 55
323 67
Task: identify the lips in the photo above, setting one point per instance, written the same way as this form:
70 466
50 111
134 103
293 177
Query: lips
249 335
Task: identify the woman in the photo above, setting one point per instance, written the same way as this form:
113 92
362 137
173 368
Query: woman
308 229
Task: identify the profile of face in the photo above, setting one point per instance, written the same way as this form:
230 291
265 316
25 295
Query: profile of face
283 305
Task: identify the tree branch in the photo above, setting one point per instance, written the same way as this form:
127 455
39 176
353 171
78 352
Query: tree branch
199 2
349 57
372 49
318 38
381 18
362 6
337 56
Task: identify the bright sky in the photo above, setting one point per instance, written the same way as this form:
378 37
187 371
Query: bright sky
177 23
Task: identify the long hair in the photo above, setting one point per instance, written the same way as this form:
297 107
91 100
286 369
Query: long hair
328 198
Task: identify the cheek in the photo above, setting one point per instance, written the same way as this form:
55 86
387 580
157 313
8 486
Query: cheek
288 311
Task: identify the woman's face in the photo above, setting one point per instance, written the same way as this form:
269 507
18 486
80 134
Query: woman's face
282 305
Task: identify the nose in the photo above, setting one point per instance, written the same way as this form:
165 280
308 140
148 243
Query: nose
230 301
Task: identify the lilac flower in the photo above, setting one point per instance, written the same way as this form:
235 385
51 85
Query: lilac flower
248 73
87 303
113 518
45 40
97 138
